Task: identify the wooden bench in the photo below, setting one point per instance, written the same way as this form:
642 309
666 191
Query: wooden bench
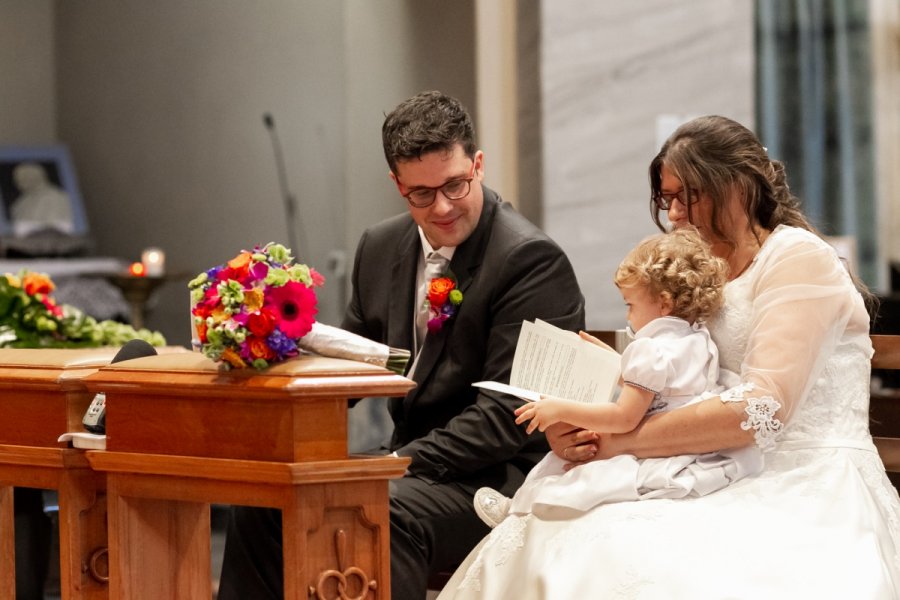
884 407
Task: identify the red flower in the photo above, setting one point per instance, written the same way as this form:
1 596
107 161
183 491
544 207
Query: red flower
261 323
201 331
241 262
317 278
51 306
294 306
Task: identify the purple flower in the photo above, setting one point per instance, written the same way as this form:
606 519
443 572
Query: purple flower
259 270
282 344
436 324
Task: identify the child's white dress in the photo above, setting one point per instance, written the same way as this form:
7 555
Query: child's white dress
678 362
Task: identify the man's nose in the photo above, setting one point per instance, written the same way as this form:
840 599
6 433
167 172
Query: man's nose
441 204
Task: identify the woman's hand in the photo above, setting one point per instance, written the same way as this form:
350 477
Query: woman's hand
572 443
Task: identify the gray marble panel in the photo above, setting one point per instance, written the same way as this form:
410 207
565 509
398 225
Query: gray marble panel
615 76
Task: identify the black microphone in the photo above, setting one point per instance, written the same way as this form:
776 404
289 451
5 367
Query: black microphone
290 204
135 348
94 419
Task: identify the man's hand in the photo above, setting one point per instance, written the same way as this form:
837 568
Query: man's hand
572 443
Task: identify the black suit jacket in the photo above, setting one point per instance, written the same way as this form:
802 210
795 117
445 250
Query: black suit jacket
508 271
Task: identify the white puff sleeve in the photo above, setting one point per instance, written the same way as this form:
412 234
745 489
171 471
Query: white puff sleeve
645 365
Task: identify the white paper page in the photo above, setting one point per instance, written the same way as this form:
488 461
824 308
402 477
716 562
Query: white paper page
556 362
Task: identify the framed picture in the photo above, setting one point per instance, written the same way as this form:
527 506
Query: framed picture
39 191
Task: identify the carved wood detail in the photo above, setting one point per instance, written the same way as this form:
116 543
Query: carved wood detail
342 576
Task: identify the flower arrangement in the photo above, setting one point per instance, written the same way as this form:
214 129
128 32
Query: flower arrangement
31 318
253 310
443 301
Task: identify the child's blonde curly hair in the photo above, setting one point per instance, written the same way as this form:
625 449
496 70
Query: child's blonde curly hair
678 266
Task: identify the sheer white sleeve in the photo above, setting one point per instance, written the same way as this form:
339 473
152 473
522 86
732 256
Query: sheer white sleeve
803 302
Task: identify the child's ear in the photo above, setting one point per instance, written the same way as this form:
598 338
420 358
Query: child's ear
666 304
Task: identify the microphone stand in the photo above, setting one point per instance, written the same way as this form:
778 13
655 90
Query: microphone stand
290 203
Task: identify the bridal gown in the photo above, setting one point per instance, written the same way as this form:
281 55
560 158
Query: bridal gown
821 520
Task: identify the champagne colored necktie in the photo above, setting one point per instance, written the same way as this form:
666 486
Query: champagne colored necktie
435 266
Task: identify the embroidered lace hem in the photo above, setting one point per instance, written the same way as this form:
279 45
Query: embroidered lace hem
760 414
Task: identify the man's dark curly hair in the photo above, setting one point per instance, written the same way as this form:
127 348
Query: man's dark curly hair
427 122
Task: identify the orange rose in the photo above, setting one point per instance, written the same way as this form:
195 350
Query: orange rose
259 348
438 290
37 283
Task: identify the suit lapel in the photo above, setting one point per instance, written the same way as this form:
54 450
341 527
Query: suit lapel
403 277
468 256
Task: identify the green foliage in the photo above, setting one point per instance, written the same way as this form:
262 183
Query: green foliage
35 320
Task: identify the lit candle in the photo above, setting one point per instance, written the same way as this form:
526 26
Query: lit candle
137 269
154 261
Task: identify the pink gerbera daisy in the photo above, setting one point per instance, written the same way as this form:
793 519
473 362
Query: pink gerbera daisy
294 306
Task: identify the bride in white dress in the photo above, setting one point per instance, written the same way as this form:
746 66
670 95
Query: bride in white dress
821 520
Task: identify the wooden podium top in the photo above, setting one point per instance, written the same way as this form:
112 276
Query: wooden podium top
64 358
193 374
42 392
187 405
28 367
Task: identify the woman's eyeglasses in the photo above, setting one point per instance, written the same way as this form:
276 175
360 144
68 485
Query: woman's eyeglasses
664 200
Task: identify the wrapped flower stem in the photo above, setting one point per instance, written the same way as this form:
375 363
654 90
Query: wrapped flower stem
338 343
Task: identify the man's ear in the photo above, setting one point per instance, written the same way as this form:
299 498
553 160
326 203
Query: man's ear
396 181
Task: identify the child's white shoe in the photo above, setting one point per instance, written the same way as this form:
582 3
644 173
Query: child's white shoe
491 506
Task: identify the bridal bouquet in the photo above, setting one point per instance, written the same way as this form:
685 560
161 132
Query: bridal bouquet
31 318
259 308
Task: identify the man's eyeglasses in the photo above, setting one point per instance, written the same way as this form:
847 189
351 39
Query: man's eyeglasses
664 200
455 189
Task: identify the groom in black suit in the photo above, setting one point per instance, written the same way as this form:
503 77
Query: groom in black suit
459 438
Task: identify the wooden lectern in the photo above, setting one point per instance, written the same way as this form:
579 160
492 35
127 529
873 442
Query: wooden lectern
182 434
42 395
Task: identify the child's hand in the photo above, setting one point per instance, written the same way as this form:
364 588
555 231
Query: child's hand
541 414
589 338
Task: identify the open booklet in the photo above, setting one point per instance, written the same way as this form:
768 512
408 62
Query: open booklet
555 362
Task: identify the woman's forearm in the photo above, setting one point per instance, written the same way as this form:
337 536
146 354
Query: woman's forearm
706 426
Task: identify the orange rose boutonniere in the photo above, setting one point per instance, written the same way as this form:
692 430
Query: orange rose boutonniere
443 301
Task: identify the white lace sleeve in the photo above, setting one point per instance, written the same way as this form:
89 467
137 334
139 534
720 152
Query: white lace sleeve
760 413
803 303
